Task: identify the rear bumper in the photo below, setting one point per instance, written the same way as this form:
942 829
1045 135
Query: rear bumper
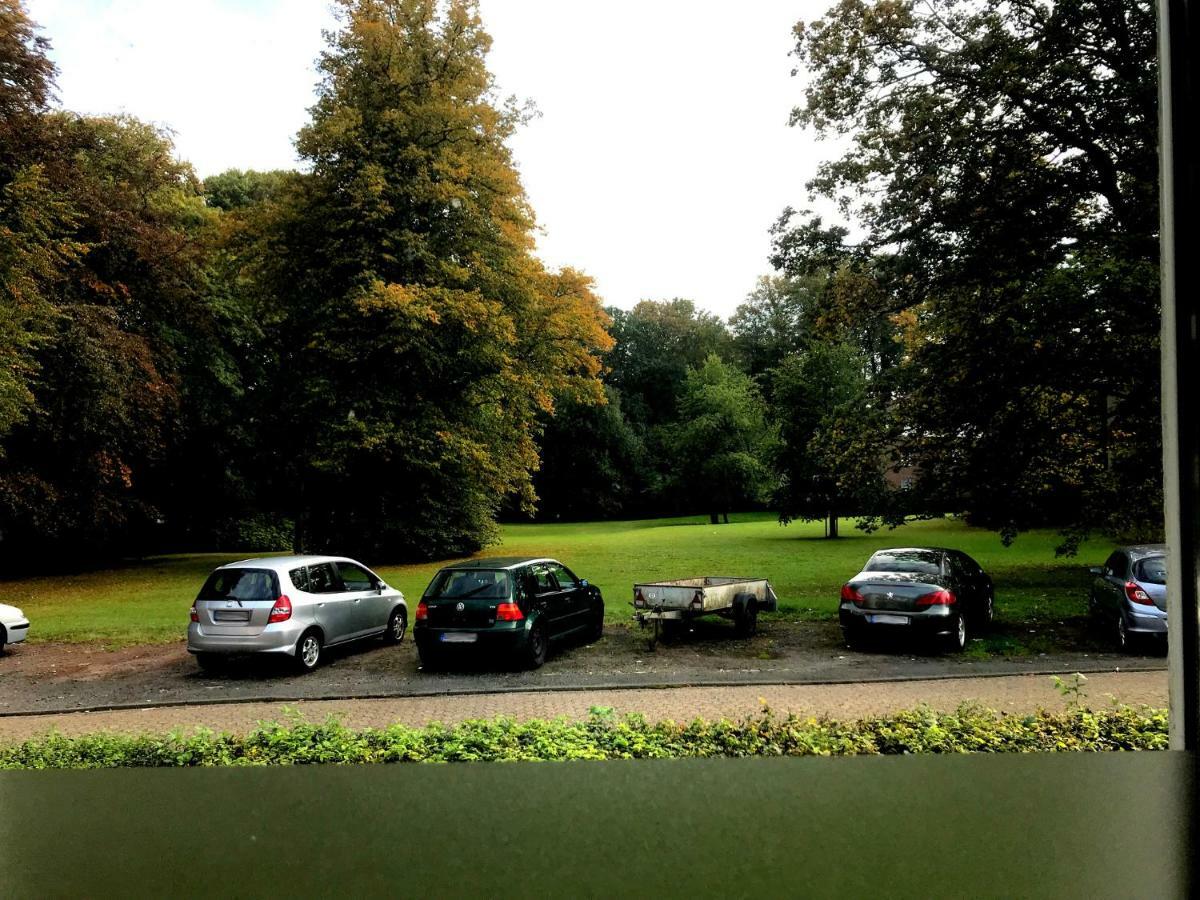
487 640
935 620
1141 621
16 632
279 637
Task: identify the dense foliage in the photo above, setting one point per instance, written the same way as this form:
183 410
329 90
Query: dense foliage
603 736
365 351
368 357
1002 174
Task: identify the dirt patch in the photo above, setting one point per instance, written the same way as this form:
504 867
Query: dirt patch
54 662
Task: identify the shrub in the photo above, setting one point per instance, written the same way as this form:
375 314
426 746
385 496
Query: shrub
605 736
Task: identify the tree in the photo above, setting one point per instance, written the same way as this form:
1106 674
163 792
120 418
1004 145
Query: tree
592 461
722 439
656 343
26 72
33 251
774 321
236 189
1003 173
84 470
422 339
833 441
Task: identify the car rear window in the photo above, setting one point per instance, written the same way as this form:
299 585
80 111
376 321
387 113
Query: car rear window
1152 570
458 583
924 562
241 585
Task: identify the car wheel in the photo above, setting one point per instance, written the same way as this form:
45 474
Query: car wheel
746 619
1121 634
308 651
210 662
597 629
536 647
989 609
958 637
397 625
431 660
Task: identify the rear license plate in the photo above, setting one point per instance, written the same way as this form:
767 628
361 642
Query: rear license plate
231 615
458 637
888 620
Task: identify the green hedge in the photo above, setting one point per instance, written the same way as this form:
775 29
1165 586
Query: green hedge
605 736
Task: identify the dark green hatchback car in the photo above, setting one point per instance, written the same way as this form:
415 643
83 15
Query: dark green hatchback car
510 605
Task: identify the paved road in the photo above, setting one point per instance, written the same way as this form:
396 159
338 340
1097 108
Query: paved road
1011 693
53 677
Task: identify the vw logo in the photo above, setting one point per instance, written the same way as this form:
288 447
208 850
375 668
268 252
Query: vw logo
460 607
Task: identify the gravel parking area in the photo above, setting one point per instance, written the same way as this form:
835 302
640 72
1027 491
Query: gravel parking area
1011 693
58 677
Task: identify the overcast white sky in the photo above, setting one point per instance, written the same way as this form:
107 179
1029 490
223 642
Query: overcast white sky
661 157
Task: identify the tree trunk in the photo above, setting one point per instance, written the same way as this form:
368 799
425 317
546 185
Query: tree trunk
714 518
832 530
725 516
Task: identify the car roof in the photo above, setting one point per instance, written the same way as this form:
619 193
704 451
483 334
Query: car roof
499 562
282 563
1136 551
910 549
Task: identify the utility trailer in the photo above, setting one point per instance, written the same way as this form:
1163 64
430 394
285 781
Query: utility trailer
661 605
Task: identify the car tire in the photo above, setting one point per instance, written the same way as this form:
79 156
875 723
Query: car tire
397 626
536 646
853 636
431 660
3 639
597 630
989 611
1121 635
957 640
745 618
308 650
210 662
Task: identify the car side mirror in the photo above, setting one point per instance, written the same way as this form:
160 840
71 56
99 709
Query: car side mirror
583 582
380 587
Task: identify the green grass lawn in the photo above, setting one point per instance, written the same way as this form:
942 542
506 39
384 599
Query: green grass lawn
147 601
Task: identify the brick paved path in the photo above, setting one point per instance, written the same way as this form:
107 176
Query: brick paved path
1012 693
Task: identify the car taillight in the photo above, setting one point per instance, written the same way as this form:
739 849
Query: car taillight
638 600
509 612
937 598
422 611
1136 595
193 615
281 611
850 594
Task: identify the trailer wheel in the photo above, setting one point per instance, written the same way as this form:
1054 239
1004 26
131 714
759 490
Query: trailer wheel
745 615
655 634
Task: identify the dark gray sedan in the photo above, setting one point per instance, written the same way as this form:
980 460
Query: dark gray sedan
928 591
1129 596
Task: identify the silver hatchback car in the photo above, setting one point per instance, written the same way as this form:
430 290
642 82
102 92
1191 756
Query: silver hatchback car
1129 595
292 606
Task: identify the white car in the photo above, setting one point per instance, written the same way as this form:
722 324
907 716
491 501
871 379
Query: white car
13 625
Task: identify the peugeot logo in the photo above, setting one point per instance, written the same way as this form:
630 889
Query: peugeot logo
461 607
891 596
